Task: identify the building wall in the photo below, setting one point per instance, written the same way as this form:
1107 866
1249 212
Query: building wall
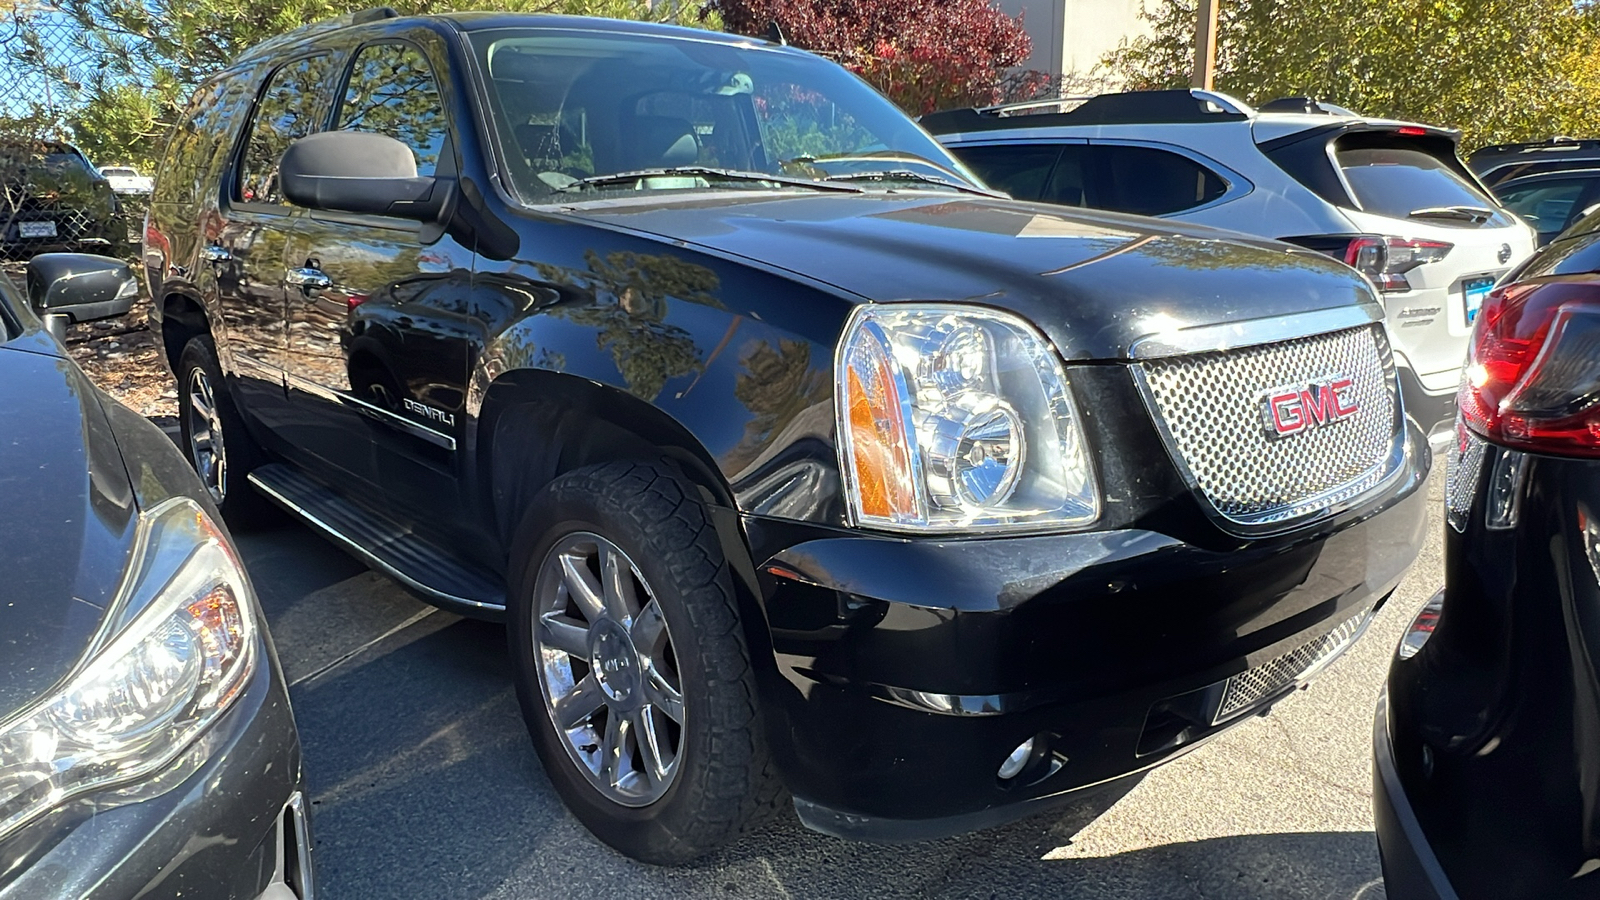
1072 35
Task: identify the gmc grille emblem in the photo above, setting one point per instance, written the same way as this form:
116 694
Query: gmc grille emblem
1294 408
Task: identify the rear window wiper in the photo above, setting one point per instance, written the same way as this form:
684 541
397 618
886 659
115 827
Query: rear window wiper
1478 214
706 172
909 175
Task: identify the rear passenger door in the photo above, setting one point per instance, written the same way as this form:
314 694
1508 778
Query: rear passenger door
245 246
1020 169
379 308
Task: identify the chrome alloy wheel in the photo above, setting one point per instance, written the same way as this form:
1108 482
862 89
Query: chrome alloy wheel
206 449
609 675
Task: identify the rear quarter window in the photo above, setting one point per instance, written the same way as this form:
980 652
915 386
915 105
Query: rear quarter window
1148 181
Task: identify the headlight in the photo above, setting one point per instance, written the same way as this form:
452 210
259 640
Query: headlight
144 692
953 418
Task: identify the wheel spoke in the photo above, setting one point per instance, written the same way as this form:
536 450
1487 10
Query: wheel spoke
561 633
581 586
649 741
201 401
663 696
613 748
648 627
583 701
620 601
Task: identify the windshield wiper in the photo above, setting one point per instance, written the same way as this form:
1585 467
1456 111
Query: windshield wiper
1467 213
908 175
707 172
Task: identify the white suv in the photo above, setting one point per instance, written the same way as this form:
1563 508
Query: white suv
1392 199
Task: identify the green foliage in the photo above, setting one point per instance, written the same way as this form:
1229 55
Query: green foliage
1500 70
153 53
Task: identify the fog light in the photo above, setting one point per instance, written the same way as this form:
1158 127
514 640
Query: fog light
1422 627
1014 763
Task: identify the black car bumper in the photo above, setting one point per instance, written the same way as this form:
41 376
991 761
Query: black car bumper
907 671
1410 869
217 823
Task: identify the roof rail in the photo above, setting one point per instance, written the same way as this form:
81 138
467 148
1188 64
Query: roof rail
312 29
1126 108
1003 108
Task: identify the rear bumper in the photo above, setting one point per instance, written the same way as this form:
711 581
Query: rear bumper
213 824
907 671
1433 411
1410 869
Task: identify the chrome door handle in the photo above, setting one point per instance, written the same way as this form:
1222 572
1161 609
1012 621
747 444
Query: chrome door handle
216 254
308 278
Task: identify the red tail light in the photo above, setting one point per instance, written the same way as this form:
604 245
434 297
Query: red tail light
1386 260
1533 374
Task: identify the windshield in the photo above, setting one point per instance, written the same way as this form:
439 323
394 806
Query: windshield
1396 182
574 108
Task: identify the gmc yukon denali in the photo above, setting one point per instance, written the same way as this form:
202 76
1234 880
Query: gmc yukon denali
798 463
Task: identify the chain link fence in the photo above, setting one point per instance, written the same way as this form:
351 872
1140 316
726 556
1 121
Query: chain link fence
53 197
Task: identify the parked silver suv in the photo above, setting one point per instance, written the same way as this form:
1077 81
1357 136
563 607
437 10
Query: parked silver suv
1390 198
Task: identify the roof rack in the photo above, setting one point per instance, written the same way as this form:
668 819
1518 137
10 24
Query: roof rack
1555 142
312 29
1306 105
1126 108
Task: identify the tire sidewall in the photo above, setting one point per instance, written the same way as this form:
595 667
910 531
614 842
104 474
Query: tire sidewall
240 506
651 832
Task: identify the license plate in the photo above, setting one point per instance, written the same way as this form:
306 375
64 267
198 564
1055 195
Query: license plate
1476 289
36 229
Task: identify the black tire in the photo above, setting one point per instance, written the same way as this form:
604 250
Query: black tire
240 504
724 784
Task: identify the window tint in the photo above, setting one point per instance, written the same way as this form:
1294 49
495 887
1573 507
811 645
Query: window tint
1547 205
198 142
1068 183
1149 182
1018 169
1392 181
289 109
392 92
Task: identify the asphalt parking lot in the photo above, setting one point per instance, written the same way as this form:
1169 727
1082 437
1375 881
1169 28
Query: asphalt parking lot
424 782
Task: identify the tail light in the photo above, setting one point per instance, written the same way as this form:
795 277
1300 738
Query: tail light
1533 372
1386 260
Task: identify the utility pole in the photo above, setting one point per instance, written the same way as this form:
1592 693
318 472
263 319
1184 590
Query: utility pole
1205 46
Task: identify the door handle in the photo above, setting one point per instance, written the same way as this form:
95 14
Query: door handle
308 278
216 254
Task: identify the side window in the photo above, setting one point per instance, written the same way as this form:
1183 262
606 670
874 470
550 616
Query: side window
1547 206
1150 182
289 109
1069 182
393 92
1018 169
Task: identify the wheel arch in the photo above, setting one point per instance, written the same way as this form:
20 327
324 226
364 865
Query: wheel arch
183 316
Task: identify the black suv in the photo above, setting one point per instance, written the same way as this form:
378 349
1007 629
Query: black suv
793 457
51 198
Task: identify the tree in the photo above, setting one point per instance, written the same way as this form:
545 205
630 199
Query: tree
923 54
151 54
1500 70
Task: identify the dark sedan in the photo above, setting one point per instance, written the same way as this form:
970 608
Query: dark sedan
1488 744
146 742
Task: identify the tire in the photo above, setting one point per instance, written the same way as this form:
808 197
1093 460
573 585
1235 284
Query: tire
221 464
650 522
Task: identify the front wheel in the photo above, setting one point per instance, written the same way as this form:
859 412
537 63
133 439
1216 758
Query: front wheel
631 665
214 438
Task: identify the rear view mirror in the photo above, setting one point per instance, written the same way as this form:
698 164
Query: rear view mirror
358 172
64 288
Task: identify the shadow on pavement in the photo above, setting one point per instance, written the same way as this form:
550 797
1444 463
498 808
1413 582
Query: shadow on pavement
425 784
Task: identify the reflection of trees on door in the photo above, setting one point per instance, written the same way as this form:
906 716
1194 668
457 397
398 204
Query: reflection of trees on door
282 117
392 92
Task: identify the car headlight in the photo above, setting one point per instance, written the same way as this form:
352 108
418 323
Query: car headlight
954 418
142 694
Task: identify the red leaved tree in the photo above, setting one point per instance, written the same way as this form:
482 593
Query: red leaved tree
924 54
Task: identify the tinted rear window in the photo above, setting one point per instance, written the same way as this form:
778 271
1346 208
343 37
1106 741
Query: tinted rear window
1390 181
1018 169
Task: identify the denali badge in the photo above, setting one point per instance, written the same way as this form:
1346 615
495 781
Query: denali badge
1294 408
428 412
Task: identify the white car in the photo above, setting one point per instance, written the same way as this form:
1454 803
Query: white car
127 180
1393 199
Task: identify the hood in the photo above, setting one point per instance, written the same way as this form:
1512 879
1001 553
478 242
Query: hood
1093 282
67 519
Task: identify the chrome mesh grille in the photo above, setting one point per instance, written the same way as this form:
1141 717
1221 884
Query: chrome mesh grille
1245 690
1212 409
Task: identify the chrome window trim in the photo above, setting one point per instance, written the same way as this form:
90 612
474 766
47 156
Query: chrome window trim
1160 344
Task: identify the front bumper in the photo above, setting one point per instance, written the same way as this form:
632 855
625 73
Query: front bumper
1410 869
908 670
216 823
1433 411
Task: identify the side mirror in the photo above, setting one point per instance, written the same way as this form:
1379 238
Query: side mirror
78 287
359 172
